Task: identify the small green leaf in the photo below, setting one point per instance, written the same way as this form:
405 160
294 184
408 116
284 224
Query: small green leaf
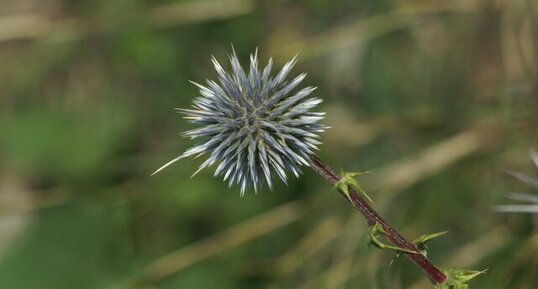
378 229
422 240
347 180
425 238
458 279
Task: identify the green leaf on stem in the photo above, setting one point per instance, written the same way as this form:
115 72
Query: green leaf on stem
422 240
378 229
347 180
458 279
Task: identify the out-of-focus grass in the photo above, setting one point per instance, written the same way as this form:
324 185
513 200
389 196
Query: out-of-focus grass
438 99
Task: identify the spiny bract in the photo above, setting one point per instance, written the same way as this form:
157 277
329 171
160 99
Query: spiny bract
253 125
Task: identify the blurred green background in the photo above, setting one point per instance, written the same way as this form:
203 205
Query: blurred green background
437 98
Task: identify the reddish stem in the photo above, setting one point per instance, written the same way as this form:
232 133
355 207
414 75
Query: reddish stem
435 275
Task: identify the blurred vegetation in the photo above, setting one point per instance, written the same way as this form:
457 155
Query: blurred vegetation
438 99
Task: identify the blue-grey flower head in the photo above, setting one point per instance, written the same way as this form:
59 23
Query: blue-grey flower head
253 125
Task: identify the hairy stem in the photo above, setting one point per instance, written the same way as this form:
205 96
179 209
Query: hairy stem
372 217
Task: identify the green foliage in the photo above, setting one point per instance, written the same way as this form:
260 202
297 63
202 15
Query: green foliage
377 229
347 181
458 279
421 241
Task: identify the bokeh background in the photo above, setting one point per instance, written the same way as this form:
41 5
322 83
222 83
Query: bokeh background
437 98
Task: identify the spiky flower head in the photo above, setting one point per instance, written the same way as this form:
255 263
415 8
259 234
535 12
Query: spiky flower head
253 125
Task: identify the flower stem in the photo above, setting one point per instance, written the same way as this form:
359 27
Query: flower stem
372 217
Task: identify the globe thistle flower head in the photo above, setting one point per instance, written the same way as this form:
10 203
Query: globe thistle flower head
253 125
